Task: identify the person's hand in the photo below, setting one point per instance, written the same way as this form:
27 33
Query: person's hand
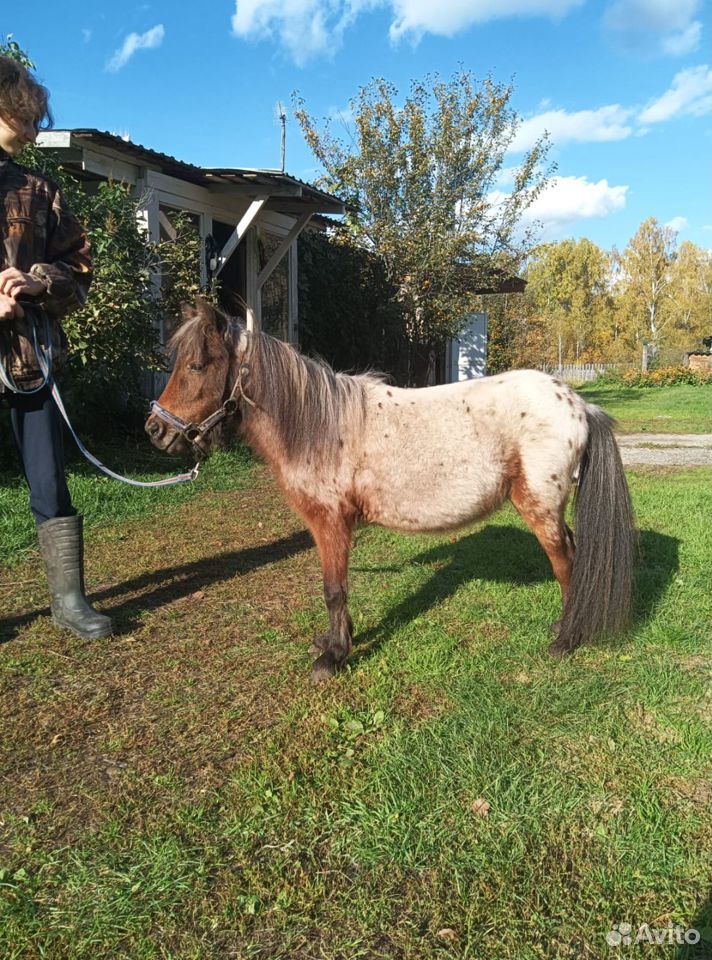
9 308
13 283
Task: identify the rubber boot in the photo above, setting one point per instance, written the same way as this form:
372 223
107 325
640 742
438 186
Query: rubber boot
62 548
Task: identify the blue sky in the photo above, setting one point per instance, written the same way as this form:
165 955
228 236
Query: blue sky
623 86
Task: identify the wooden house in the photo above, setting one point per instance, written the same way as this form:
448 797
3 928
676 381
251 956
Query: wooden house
248 219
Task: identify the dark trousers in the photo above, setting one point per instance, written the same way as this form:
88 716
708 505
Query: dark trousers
37 427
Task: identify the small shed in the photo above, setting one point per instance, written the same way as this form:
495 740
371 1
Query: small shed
700 361
248 219
466 355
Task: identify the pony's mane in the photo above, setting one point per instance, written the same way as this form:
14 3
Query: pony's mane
314 408
190 333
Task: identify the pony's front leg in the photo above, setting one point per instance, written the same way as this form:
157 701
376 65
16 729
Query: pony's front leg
332 535
336 644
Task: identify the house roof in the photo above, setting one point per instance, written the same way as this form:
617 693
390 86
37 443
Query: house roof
291 190
498 282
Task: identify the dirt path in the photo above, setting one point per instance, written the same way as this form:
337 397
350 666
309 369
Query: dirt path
666 449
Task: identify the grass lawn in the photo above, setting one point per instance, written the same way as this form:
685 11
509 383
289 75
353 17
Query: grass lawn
103 500
182 791
676 409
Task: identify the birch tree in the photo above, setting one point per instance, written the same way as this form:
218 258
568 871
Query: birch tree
690 295
568 288
645 276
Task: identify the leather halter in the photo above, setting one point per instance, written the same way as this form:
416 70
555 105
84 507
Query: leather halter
195 433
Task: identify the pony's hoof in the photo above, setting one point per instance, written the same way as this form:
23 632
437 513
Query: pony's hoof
320 644
324 667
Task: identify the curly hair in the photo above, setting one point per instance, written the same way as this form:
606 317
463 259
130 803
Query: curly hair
22 97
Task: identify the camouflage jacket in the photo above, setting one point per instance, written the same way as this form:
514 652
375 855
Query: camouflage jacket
41 236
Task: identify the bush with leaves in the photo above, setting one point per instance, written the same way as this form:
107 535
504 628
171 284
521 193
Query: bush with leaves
666 377
179 265
114 337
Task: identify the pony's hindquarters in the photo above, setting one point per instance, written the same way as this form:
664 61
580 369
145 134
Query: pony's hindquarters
598 600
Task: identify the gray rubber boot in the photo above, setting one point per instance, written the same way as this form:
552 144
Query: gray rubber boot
62 547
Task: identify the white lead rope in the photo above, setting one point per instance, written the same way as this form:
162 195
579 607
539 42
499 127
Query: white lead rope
167 482
44 358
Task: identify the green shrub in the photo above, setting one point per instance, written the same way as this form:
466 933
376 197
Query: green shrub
114 338
666 377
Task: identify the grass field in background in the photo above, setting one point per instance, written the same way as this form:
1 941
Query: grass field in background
182 791
676 409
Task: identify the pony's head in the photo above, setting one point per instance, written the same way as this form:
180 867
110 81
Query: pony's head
207 349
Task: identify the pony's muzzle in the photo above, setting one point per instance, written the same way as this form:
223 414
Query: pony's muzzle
161 436
154 428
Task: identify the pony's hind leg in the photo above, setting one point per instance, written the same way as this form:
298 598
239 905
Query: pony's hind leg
546 521
332 535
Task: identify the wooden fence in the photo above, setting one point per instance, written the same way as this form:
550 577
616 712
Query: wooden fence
580 372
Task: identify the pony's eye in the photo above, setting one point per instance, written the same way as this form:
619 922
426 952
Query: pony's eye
195 367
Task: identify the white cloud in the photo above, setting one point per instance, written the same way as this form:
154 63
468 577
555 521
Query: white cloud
568 199
654 26
506 176
690 93
583 126
342 115
448 17
307 28
136 41
678 44
677 224
576 198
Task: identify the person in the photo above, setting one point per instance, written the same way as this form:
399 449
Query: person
45 271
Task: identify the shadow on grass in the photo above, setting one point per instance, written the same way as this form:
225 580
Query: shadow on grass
702 923
609 395
500 554
183 580
509 555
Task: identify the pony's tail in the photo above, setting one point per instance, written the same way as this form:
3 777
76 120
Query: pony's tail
600 590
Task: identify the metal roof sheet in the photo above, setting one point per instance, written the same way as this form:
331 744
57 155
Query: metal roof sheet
205 176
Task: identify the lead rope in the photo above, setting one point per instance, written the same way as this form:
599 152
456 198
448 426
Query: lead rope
166 482
44 358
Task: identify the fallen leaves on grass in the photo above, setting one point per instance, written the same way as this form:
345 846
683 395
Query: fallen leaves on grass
480 807
448 934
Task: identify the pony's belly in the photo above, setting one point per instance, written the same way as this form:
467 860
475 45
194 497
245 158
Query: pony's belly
430 504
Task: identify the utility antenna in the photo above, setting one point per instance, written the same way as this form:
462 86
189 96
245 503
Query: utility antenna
282 117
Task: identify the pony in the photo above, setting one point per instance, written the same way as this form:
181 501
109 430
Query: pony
348 449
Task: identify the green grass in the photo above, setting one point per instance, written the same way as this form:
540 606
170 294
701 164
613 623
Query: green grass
676 409
103 500
183 792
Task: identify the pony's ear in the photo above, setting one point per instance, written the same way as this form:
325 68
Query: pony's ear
210 315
